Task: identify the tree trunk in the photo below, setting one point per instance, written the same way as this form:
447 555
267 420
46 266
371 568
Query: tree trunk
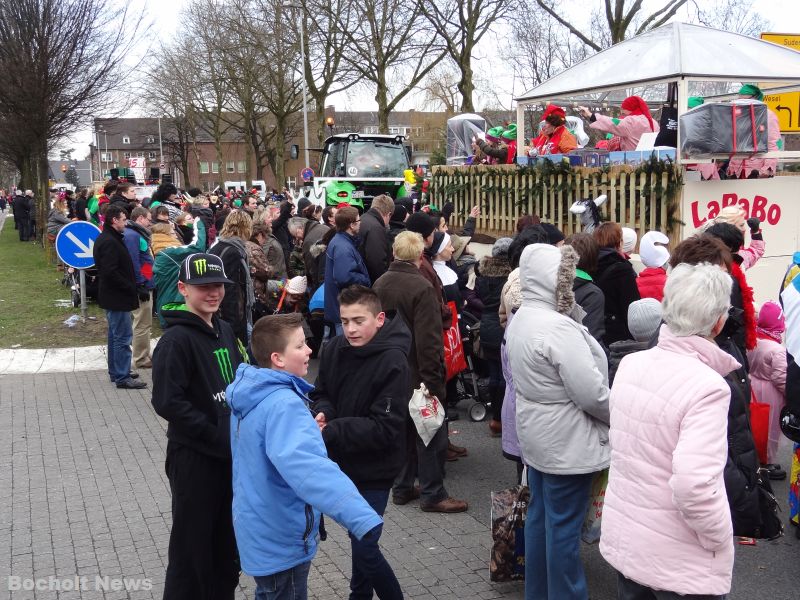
382 98
466 87
280 150
319 113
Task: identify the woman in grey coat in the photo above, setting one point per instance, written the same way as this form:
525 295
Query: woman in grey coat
561 380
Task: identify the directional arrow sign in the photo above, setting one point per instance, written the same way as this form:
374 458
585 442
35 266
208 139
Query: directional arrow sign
787 106
75 243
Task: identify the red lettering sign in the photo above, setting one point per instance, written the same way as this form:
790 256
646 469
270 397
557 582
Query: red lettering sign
760 208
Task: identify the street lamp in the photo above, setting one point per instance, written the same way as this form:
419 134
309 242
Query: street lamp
301 24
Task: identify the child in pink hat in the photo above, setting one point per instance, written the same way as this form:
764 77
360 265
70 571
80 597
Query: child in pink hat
768 376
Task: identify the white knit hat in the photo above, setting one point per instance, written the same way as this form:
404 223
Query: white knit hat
297 285
650 252
629 237
644 318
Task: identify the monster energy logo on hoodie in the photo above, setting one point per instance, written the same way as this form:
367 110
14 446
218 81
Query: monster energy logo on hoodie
200 266
224 364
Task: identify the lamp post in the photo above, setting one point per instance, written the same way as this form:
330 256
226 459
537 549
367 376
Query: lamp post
330 122
301 24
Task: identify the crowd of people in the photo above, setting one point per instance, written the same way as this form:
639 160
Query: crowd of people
248 294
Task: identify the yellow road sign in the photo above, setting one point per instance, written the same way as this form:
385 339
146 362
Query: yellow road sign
786 105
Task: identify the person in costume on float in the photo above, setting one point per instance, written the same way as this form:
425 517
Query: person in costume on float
635 120
753 168
554 138
503 151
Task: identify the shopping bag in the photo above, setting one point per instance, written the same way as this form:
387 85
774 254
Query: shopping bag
453 347
794 486
426 412
590 532
509 507
759 424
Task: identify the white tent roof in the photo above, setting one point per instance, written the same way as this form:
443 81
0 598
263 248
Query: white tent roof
674 51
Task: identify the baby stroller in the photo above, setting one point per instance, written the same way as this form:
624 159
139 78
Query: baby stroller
467 381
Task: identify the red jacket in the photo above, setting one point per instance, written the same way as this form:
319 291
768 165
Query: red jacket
651 283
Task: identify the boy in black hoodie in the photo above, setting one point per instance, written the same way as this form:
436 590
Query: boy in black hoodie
361 402
193 363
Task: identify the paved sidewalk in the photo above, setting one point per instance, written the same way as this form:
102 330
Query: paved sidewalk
17 361
83 493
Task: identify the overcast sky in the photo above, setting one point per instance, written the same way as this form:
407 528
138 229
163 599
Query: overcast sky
165 18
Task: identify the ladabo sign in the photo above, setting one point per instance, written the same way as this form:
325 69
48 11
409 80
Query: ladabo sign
760 207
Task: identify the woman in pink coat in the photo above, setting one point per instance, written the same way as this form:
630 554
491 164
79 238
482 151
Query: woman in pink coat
666 522
768 377
635 120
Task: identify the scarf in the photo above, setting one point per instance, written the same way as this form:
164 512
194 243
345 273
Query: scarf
763 334
446 275
636 106
747 303
549 145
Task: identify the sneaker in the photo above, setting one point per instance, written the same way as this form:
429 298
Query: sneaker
131 384
402 499
448 505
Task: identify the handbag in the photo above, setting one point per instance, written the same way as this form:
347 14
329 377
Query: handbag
426 412
590 532
771 523
454 358
759 424
509 508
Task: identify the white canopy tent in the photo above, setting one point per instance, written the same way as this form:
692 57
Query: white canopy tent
674 53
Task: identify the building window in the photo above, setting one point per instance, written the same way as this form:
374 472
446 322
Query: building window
151 139
230 167
126 139
203 168
140 154
241 166
371 129
215 167
126 155
105 156
151 155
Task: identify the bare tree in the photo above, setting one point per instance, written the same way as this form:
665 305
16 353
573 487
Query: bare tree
440 89
618 20
461 24
732 15
389 49
56 72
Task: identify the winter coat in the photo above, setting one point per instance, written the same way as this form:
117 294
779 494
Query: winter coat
426 268
374 243
590 298
504 310
273 250
768 380
628 129
619 350
137 241
510 440
343 267
192 365
206 214
489 285
237 305
314 231
751 255
260 271
363 393
651 282
55 221
617 280
560 371
404 291
282 478
395 229
665 518
162 236
116 288
316 255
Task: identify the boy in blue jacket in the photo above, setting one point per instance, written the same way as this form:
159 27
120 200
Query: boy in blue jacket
282 477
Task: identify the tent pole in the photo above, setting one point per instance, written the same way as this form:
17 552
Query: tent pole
683 99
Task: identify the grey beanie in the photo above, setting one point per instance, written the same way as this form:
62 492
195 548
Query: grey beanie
501 246
644 318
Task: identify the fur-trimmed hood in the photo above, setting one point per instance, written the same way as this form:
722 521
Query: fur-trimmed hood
317 249
494 267
546 276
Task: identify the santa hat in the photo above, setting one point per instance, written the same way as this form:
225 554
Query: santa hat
650 252
552 109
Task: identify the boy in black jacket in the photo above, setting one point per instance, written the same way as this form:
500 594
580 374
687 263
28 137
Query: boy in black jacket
193 363
361 402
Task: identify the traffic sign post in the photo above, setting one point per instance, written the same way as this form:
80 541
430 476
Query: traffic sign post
307 174
75 248
786 104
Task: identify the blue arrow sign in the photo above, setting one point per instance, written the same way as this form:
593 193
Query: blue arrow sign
75 243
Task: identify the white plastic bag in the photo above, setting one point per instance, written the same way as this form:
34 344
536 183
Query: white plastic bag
427 413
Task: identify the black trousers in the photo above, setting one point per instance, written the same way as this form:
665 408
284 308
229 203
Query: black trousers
24 228
203 560
424 462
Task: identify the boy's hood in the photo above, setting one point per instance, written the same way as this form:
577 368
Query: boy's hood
394 334
252 385
178 314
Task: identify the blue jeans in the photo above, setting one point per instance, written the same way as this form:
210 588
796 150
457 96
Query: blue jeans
120 335
291 584
553 567
371 571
